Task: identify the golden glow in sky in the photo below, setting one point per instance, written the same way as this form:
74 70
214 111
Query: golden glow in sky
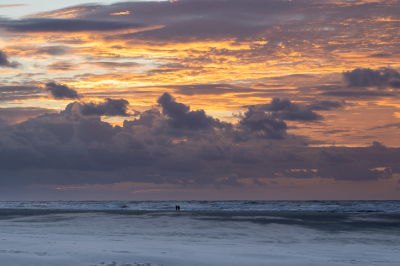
336 62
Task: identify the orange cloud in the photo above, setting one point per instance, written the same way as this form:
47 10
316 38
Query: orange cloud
64 13
120 13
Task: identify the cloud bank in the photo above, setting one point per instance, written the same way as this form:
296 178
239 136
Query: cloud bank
178 146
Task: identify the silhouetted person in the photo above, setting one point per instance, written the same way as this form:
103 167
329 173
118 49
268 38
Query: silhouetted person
179 208
176 207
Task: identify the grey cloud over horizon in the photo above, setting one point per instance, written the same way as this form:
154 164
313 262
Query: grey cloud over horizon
199 151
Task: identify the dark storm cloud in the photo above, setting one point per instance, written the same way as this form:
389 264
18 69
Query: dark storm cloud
270 118
257 120
180 116
366 77
4 62
91 151
278 104
110 107
33 25
59 91
284 109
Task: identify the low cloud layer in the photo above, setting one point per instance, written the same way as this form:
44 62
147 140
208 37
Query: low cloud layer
177 146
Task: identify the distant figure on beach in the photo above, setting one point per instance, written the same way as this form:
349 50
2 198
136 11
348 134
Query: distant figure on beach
179 208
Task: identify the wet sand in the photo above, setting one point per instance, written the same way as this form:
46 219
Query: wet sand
190 238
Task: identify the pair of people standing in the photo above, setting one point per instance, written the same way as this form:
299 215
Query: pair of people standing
177 207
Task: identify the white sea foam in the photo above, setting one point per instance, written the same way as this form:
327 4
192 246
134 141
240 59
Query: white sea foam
184 239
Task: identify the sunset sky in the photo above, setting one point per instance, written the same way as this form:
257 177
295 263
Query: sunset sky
202 100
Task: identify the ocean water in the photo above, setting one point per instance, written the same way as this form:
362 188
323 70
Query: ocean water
282 206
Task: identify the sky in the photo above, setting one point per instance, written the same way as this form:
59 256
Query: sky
200 100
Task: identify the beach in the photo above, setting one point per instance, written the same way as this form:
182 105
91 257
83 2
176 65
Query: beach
191 238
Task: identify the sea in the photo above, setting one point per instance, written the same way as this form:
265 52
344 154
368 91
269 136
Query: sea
273 206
